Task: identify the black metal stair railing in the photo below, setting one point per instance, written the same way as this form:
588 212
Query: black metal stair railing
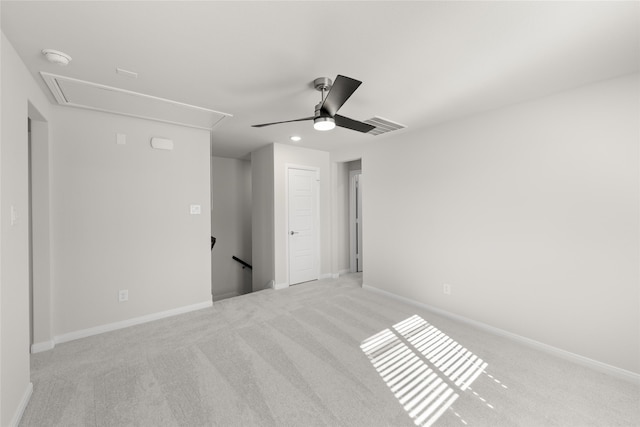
244 264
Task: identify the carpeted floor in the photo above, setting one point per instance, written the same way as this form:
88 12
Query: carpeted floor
324 353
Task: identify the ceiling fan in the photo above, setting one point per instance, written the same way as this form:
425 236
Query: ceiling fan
325 117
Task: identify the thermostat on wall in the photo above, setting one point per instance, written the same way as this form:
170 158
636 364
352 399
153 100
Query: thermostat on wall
161 143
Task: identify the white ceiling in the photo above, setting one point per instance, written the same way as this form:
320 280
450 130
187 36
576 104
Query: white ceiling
421 63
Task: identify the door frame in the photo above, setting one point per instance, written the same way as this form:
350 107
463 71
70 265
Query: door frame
289 166
40 238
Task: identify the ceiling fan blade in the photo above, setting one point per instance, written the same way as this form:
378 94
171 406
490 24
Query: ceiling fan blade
340 91
286 121
348 123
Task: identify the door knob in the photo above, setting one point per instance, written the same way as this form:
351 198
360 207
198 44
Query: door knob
294 232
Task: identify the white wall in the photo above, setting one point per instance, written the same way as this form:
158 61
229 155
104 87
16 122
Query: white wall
231 225
262 237
530 213
2 217
121 219
290 155
18 90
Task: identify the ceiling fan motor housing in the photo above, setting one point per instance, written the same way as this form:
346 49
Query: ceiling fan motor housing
319 112
322 84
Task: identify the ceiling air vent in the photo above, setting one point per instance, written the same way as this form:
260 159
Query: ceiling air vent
382 125
93 96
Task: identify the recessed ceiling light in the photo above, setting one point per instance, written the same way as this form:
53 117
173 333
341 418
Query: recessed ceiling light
56 57
295 138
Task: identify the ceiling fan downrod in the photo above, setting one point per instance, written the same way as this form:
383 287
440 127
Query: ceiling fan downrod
322 121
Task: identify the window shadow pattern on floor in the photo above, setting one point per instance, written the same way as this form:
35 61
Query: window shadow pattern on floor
423 367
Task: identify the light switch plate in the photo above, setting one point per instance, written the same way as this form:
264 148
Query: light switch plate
195 210
121 138
14 216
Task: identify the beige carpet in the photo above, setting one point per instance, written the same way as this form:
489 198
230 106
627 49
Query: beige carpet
325 353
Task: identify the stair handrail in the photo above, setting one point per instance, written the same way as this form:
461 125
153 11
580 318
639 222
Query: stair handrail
244 264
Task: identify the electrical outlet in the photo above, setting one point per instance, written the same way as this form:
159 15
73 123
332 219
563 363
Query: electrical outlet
123 295
446 288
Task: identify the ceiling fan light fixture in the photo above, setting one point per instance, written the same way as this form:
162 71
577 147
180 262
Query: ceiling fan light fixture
324 123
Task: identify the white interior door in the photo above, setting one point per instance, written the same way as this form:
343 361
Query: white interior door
303 225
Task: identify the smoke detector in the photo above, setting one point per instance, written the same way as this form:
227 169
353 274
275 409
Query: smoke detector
56 57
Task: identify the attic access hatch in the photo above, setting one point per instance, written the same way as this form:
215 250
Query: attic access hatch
93 96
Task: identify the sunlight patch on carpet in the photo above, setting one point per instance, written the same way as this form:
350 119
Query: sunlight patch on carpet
423 367
456 362
420 391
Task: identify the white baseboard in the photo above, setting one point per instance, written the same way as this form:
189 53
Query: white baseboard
563 354
226 295
42 346
17 416
326 276
339 274
130 322
278 286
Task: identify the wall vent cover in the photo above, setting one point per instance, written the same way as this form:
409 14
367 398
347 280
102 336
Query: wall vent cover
93 96
382 125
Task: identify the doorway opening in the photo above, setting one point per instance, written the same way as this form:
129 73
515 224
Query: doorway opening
356 259
38 211
30 228
349 230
